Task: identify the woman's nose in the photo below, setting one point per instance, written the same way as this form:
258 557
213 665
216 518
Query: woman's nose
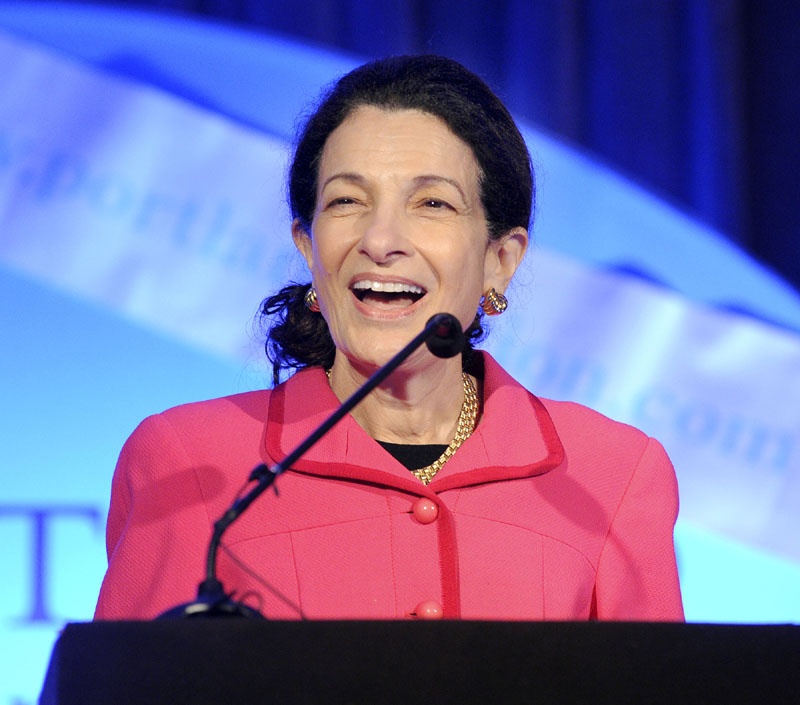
385 236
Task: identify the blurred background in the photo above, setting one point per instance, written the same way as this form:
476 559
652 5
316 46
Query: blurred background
143 147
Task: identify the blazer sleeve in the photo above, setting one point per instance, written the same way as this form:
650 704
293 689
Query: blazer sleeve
158 526
637 575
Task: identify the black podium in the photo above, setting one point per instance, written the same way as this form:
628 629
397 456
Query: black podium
241 662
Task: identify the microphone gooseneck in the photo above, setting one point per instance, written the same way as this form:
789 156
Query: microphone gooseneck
444 338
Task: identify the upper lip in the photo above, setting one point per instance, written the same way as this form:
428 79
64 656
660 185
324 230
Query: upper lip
384 279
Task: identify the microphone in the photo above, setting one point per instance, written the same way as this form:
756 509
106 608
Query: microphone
447 339
444 338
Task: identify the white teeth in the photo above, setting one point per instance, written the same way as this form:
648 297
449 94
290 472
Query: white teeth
388 287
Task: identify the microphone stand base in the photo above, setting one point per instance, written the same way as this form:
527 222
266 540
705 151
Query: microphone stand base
211 602
204 610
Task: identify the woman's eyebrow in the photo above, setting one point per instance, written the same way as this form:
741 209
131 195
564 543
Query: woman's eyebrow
422 180
350 176
425 179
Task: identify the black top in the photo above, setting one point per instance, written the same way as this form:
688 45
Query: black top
414 457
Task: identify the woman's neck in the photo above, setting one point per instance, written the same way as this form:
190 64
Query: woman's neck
416 404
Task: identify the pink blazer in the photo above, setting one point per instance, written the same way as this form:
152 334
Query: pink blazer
548 511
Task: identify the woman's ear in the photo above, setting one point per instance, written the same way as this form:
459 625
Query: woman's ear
302 241
503 256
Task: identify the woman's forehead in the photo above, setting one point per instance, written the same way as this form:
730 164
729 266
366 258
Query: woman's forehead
374 142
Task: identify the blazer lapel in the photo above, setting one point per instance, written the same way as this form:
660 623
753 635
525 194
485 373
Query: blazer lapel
515 438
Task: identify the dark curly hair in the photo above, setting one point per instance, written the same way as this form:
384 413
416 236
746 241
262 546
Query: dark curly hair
435 85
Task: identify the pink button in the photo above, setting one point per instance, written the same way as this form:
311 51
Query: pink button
425 510
428 609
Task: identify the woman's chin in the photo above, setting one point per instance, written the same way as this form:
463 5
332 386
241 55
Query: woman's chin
370 354
373 334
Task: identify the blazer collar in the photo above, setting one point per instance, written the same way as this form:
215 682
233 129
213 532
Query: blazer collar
515 438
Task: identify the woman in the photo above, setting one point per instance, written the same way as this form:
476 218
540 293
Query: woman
451 490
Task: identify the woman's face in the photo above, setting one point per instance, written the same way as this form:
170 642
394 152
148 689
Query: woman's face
399 232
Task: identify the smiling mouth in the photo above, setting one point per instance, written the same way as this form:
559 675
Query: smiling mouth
387 295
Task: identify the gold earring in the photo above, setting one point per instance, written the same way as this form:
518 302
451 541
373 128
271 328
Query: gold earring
493 304
310 300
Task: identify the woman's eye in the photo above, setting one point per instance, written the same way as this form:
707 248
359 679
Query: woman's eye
341 201
436 203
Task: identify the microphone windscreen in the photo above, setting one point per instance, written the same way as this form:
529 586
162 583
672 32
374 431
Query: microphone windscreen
447 339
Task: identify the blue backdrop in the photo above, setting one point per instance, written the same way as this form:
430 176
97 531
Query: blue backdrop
698 100
139 230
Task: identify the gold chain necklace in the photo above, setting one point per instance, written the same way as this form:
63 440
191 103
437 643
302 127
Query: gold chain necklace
466 425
